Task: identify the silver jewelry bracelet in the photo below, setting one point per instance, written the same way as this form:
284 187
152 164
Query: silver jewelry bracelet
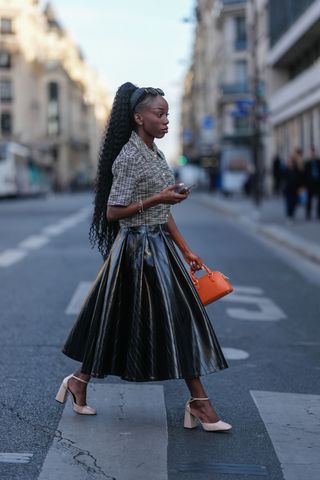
140 206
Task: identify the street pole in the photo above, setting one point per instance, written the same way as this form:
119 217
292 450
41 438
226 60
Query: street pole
256 110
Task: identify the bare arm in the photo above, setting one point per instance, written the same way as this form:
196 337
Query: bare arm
116 213
194 260
166 196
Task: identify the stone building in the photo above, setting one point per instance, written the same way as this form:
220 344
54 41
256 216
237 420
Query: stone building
50 99
255 65
294 84
217 93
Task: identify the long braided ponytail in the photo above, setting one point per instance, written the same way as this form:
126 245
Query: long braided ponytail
117 134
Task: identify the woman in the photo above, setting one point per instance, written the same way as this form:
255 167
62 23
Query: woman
293 181
142 319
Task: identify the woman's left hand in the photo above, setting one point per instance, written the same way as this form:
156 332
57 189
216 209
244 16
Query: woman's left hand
194 260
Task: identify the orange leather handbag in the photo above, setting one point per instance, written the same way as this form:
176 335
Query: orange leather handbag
212 286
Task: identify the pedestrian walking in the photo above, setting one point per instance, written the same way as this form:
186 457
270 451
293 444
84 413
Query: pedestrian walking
277 174
312 183
142 319
293 182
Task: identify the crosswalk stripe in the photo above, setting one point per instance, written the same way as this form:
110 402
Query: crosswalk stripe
127 438
293 424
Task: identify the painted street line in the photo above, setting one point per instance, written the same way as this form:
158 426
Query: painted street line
10 257
54 230
264 308
248 290
293 424
78 298
126 440
234 353
34 242
15 457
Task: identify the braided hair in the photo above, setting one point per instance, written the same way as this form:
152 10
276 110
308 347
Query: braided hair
117 133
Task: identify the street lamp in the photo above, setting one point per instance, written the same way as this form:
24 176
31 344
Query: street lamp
256 109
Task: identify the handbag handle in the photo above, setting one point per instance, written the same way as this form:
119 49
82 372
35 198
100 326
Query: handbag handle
194 278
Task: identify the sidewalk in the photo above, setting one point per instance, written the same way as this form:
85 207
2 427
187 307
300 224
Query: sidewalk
269 220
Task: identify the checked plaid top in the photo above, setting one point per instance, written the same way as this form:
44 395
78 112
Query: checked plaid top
138 173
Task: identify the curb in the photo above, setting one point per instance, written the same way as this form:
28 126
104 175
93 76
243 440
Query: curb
276 233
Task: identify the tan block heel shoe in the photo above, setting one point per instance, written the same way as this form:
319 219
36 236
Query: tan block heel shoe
190 420
63 393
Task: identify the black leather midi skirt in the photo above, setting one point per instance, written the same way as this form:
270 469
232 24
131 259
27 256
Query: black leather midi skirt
142 319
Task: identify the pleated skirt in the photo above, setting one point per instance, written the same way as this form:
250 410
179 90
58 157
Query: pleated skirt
142 319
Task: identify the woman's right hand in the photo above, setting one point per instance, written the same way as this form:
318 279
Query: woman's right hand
168 195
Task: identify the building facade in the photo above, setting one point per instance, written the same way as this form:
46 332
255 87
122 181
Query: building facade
50 99
294 75
217 93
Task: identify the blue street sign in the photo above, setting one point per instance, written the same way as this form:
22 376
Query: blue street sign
207 122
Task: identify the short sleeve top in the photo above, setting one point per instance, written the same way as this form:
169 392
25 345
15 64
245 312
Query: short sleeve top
138 173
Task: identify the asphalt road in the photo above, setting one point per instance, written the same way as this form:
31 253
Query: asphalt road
45 255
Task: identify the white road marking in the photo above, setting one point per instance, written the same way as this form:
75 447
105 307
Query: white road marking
54 230
126 440
15 457
234 353
293 423
247 290
11 256
77 298
265 308
34 242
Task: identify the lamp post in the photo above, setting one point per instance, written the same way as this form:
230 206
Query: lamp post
257 153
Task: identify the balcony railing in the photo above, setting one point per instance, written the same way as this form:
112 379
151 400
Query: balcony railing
235 88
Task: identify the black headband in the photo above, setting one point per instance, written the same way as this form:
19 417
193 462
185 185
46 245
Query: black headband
140 93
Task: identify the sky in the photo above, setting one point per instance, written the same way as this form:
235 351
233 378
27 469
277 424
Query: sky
145 42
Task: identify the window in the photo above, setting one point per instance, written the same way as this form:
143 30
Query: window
5 59
5 91
53 110
240 33
6 25
240 72
6 123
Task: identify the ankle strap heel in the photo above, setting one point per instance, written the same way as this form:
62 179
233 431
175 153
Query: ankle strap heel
80 379
190 420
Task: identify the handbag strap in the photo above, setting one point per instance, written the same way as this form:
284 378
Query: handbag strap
204 267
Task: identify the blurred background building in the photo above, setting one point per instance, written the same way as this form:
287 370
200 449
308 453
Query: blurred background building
53 106
293 57
252 90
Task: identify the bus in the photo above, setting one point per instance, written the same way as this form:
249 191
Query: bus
19 174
